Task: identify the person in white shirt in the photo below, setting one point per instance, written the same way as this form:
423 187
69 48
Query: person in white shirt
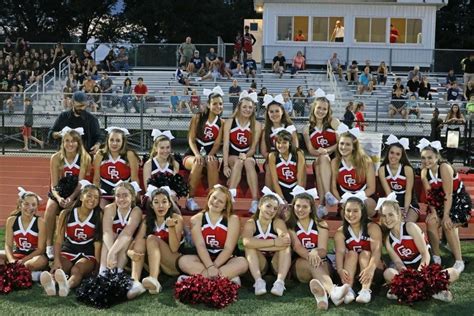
338 33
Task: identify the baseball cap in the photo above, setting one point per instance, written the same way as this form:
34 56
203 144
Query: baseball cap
79 97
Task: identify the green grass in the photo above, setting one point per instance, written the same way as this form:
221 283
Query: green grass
297 300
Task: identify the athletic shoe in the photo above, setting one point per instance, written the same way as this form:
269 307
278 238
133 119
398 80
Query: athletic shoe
253 207
61 278
182 277
322 211
260 287
278 288
391 296
137 289
338 293
459 266
364 296
35 275
436 259
152 285
47 282
444 296
236 280
50 252
198 79
350 296
315 286
192 205
330 199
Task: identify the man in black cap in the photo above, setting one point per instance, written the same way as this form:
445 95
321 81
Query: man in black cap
79 117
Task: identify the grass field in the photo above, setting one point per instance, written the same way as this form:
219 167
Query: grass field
297 300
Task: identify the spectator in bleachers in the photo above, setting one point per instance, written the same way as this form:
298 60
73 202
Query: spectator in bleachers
454 93
250 67
184 100
234 92
88 84
253 87
288 105
468 67
121 60
425 88
398 105
365 82
382 72
310 97
238 45
412 106
196 65
126 94
436 126
186 51
8 47
235 66
469 90
21 46
413 85
469 106
73 58
67 98
299 101
95 98
195 102
353 73
211 57
27 126
299 63
58 54
106 86
248 40
414 72
139 95
398 86
279 64
3 94
450 77
71 82
108 63
260 97
454 115
359 116
349 116
181 76
336 65
223 70
174 102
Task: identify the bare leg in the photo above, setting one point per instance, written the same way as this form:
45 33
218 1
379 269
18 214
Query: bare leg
52 210
256 262
234 267
453 242
82 268
37 263
281 263
432 225
252 178
139 246
194 176
350 264
236 165
212 173
364 258
154 255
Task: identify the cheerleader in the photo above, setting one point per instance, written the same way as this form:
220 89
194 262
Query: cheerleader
215 232
320 139
358 245
114 163
241 135
204 139
309 239
67 167
287 166
25 235
276 119
267 243
161 160
406 245
439 178
399 177
352 169
77 243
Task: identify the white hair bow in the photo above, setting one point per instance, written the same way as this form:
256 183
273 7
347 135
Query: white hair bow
343 128
267 99
267 191
134 184
151 188
157 133
217 90
290 129
391 197
245 94
300 190
85 183
321 94
111 128
392 139
425 143
66 129
359 195
22 192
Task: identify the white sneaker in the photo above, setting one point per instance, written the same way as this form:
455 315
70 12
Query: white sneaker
350 296
152 285
137 289
391 296
198 79
364 296
61 278
459 266
444 296
437 259
322 211
330 199
47 282
260 287
192 205
182 277
316 287
35 275
253 207
236 280
338 293
278 288
50 252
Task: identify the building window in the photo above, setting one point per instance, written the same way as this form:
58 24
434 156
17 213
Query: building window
405 31
285 28
328 29
292 28
370 30
301 28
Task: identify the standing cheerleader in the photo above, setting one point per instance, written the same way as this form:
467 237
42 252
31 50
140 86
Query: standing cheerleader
287 166
267 244
450 204
399 177
276 119
215 232
406 245
25 235
204 139
358 245
321 141
77 245
114 163
352 169
241 135
161 160
67 167
309 237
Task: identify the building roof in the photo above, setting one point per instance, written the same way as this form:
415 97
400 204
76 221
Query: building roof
259 4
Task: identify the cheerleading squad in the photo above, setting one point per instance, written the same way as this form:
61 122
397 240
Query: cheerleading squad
107 224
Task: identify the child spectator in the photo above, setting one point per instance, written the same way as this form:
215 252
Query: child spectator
398 86
413 109
26 131
235 66
182 76
288 105
425 88
359 116
353 73
298 101
174 101
470 105
184 101
436 126
450 78
454 93
398 105
382 73
195 101
250 67
349 116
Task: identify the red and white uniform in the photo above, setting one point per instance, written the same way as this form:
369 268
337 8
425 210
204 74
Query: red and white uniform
209 135
436 182
322 138
214 235
161 231
264 235
287 170
347 180
405 247
120 222
398 181
112 171
73 168
357 243
308 238
240 138
25 240
156 170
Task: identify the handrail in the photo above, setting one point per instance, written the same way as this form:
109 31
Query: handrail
63 66
338 108
33 86
47 81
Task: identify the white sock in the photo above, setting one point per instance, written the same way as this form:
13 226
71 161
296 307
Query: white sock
35 275
102 269
119 270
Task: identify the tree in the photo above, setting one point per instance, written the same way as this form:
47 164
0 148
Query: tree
455 25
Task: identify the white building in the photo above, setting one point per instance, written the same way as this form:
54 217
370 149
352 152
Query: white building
370 30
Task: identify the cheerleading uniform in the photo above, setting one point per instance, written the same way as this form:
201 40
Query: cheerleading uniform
73 168
79 237
347 180
287 171
162 232
356 243
208 137
112 171
156 170
120 222
405 247
214 235
25 240
69 178
269 234
398 184
240 138
322 138
308 238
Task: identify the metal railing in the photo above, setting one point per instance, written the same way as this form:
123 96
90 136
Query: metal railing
338 107
48 77
64 68
31 92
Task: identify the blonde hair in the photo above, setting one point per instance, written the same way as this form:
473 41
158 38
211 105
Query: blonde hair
81 150
252 118
228 208
153 151
326 120
359 159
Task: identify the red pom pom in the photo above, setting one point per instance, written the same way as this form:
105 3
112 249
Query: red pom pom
14 276
435 198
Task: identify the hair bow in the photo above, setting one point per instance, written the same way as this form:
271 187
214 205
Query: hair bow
321 94
300 190
233 192
111 128
267 191
151 188
359 195
391 197
343 128
85 183
134 184
157 133
22 192
66 129
217 90
425 143
290 129
267 99
245 94
392 139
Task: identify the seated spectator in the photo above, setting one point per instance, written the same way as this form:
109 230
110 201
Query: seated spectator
359 116
223 70
470 106
108 63
300 36
174 102
184 101
253 87
196 65
412 105
106 86
195 101
299 63
299 101
139 96
349 116
336 65
126 94
469 91
413 85
382 72
235 66
211 57
450 77
67 98
260 97
181 75
353 73
250 67
279 64
436 126
88 84
454 93
121 60
310 97
365 82
215 72
288 105
397 106
398 86
71 82
234 92
95 99
414 72
425 88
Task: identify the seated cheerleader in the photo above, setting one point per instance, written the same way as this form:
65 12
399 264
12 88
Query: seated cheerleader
25 235
114 163
358 244
267 244
204 139
215 232
276 119
77 243
309 238
352 169
161 238
400 177
241 136
321 141
67 167
406 245
454 208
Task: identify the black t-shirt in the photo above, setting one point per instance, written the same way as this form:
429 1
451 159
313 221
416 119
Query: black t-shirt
281 60
233 64
250 64
395 87
398 102
197 61
413 86
211 56
469 66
